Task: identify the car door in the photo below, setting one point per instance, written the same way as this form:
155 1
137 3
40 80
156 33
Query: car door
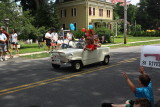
89 57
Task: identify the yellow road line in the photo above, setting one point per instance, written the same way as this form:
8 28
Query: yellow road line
43 82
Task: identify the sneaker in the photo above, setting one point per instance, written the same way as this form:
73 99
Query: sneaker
4 59
1 59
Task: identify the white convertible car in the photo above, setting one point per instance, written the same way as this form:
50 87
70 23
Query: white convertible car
77 57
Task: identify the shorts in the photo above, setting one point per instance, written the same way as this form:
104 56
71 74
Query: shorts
3 47
14 43
48 42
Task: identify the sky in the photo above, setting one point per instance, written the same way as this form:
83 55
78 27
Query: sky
134 2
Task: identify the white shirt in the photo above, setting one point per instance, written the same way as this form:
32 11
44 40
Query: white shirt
2 36
69 36
14 37
54 36
60 42
48 35
66 41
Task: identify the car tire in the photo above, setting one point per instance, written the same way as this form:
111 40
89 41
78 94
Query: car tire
76 65
106 60
55 66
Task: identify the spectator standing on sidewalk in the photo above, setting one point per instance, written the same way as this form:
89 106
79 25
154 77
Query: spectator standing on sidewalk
48 39
145 90
54 38
3 49
7 42
14 42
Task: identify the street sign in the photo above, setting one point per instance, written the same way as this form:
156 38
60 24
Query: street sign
150 56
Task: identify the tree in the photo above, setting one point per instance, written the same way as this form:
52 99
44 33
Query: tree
153 10
44 12
151 14
119 15
131 14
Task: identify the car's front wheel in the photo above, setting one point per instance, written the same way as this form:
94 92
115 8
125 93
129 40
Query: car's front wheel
55 66
106 60
76 65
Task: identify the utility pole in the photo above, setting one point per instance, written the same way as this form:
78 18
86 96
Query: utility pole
125 22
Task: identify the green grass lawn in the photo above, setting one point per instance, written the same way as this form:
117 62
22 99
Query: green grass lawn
135 44
35 56
133 39
29 48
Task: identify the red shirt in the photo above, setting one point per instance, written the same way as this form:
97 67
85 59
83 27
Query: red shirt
91 46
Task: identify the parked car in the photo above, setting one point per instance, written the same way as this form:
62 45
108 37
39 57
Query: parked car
77 57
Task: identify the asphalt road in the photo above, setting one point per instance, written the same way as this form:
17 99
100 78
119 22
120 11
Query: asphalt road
24 83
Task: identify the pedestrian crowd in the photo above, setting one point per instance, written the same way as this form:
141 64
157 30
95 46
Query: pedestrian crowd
7 43
59 40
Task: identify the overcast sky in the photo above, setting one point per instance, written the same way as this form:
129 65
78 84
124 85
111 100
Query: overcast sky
134 2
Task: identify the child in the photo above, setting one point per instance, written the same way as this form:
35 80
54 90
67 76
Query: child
145 90
90 44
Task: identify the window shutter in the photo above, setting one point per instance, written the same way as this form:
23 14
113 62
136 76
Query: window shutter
90 12
72 11
65 13
75 12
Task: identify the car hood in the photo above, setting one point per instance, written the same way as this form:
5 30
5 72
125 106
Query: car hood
69 50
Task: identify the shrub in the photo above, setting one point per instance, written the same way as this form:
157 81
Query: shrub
107 33
78 33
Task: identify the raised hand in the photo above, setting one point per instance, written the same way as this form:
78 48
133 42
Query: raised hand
125 75
141 70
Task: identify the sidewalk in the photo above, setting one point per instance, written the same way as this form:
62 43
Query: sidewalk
24 54
15 56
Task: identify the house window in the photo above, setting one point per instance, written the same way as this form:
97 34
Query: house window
63 13
74 12
64 26
93 11
100 12
75 25
108 13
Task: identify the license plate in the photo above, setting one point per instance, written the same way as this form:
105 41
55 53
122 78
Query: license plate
57 61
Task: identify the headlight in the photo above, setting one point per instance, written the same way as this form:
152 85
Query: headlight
70 56
62 54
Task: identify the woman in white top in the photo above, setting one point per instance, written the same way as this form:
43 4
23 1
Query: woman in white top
60 42
70 36
14 42
3 50
54 36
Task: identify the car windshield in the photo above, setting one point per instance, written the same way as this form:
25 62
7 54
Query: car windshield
74 44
